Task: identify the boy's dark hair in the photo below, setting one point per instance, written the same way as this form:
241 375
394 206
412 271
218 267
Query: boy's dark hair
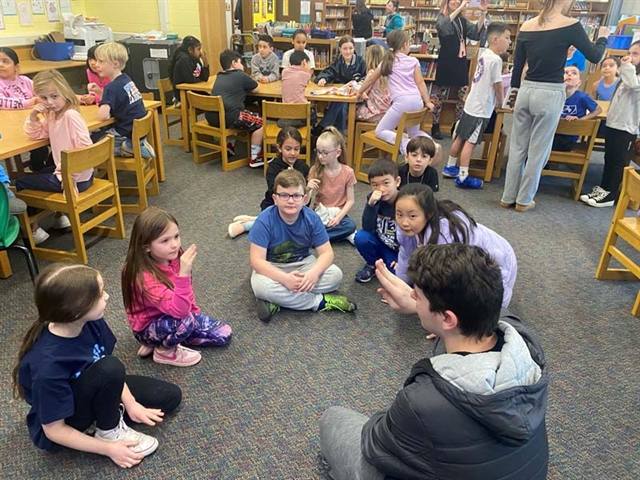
227 57
299 31
188 43
267 39
461 278
422 144
504 56
497 28
11 53
381 167
297 56
289 178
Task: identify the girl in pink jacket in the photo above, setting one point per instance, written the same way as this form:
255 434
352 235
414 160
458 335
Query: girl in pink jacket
158 294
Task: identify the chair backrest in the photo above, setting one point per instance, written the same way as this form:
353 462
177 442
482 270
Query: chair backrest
165 87
141 128
585 128
205 103
409 119
630 187
97 155
289 111
4 215
147 96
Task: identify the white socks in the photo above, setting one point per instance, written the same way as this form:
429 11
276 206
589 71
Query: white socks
255 150
464 173
452 162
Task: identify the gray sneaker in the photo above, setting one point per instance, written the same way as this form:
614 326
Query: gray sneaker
122 432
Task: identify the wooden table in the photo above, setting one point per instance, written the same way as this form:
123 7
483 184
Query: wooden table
15 142
273 90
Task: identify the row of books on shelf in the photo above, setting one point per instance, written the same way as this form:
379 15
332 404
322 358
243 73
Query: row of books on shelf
428 68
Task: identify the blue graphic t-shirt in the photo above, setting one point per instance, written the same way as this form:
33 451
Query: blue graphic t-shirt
125 101
577 105
48 369
288 243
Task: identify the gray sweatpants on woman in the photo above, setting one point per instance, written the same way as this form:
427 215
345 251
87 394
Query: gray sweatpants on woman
269 290
535 119
340 432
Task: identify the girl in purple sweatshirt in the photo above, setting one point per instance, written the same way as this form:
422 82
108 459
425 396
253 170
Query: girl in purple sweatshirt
158 294
423 220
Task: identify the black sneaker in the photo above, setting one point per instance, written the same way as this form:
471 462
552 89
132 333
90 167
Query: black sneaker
266 310
435 131
365 274
596 191
602 199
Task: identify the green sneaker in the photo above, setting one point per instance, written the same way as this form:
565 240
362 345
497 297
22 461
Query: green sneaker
338 302
266 309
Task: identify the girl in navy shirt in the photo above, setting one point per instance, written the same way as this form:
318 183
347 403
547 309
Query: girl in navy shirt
67 374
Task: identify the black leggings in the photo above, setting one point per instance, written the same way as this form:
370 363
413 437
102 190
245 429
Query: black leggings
617 154
97 393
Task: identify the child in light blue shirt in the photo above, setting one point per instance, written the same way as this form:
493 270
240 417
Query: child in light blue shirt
16 206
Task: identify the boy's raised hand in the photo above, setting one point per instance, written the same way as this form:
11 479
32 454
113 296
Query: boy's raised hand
394 291
375 197
625 59
186 261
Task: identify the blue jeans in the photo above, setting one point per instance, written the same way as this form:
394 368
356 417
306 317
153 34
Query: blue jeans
372 248
46 181
336 115
341 231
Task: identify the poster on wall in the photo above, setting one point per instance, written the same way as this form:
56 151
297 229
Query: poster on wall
9 7
65 6
305 11
24 13
37 7
53 15
1 20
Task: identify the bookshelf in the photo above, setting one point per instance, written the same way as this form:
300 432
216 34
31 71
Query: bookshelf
323 49
337 17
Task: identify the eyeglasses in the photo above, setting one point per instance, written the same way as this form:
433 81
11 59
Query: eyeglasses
286 196
320 153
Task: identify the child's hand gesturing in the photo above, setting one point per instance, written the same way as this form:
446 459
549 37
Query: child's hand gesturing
186 261
37 108
375 197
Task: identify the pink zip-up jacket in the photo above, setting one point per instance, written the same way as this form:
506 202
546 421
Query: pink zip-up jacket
101 82
15 93
160 300
65 133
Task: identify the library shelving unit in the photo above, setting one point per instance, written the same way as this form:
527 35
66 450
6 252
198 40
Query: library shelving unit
323 49
337 17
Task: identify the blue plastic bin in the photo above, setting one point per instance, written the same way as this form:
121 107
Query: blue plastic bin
54 52
619 42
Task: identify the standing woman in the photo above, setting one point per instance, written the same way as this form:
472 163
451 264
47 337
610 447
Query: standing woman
453 67
362 19
394 20
543 43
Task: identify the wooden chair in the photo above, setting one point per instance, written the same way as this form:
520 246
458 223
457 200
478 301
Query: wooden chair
208 103
369 138
577 160
102 198
169 110
9 233
144 168
489 165
274 111
627 228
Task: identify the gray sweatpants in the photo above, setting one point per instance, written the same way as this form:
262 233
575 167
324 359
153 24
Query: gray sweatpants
535 119
340 432
267 289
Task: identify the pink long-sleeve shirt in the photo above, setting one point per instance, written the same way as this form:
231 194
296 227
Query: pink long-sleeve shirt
15 93
65 133
161 300
101 82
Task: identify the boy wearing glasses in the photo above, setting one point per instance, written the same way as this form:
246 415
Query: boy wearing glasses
285 274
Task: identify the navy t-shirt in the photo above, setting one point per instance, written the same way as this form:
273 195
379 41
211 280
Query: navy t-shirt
47 370
577 105
126 104
288 243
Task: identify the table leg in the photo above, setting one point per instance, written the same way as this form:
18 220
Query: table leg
184 109
493 151
351 133
5 266
158 146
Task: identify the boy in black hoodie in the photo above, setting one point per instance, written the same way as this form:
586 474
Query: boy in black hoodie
188 64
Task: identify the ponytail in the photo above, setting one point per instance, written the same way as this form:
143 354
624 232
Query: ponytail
396 40
29 340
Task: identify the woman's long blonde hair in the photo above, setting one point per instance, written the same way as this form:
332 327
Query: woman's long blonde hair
53 78
373 57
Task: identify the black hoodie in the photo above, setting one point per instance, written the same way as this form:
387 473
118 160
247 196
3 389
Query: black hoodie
187 70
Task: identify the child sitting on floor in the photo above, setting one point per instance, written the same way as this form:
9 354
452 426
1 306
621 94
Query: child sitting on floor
422 152
285 273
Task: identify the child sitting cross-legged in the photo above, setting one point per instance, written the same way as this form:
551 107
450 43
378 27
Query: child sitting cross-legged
422 152
233 85
285 273
377 239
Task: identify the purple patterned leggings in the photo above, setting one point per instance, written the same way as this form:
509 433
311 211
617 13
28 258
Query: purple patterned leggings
195 330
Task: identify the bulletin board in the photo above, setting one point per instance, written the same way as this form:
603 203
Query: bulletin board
263 10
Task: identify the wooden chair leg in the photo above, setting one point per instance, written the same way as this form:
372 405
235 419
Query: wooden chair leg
5 265
78 238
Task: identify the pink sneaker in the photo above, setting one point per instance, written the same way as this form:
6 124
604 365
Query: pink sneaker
178 357
145 350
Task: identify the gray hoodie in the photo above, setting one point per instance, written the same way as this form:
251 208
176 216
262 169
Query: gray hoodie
479 416
265 67
624 111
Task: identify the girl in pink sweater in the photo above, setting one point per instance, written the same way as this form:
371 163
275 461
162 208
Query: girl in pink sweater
57 118
158 294
16 91
96 82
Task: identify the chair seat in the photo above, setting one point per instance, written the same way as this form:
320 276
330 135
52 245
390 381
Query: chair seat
271 130
629 229
39 199
203 125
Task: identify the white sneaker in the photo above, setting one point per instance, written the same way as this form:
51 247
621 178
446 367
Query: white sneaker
352 238
61 222
122 432
40 236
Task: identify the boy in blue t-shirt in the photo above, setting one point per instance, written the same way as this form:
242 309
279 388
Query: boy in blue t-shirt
285 274
576 106
377 239
121 99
